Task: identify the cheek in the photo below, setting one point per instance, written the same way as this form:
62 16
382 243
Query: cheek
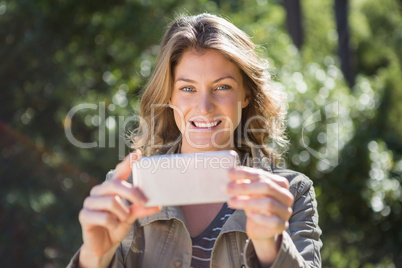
177 103
179 108
233 110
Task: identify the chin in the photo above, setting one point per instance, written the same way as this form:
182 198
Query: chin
212 146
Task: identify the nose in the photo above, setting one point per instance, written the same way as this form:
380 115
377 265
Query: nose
206 103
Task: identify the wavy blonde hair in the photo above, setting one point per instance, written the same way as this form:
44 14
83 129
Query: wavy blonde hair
266 109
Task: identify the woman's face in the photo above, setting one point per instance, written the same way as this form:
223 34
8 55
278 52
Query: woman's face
207 99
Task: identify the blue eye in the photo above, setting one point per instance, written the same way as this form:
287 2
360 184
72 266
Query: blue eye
223 87
187 89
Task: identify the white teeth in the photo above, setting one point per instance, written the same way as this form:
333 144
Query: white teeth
205 124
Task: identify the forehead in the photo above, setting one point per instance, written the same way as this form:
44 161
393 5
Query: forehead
209 62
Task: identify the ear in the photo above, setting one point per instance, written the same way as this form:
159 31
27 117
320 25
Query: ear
247 99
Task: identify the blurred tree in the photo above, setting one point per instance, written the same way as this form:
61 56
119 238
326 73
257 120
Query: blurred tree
344 52
294 21
295 29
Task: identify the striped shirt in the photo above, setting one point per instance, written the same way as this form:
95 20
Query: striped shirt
203 243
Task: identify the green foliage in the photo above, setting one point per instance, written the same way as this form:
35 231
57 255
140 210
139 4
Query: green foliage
56 55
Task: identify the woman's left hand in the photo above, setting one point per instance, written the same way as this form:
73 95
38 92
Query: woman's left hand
267 201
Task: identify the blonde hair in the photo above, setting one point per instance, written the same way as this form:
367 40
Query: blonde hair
205 31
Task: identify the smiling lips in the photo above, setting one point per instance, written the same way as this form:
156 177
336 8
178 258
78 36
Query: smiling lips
205 125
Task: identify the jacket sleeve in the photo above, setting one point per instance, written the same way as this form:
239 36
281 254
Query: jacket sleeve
301 243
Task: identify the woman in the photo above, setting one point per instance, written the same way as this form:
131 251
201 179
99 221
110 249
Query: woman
209 92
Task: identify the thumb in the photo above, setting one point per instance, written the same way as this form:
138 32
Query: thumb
123 169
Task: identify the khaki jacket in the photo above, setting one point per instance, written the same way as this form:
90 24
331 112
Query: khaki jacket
162 240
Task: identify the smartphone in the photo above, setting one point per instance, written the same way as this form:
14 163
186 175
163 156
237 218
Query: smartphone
185 179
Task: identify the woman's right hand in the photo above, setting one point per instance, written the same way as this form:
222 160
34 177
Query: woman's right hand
105 219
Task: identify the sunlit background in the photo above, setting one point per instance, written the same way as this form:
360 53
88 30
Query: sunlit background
338 61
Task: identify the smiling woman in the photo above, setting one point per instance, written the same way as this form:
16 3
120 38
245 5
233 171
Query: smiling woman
209 92
207 99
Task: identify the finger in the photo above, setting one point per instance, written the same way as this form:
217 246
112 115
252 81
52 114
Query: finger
274 223
90 218
111 204
281 181
123 169
261 188
139 211
244 173
264 205
252 174
122 188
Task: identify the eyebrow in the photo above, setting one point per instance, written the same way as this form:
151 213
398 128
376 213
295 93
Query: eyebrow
216 81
